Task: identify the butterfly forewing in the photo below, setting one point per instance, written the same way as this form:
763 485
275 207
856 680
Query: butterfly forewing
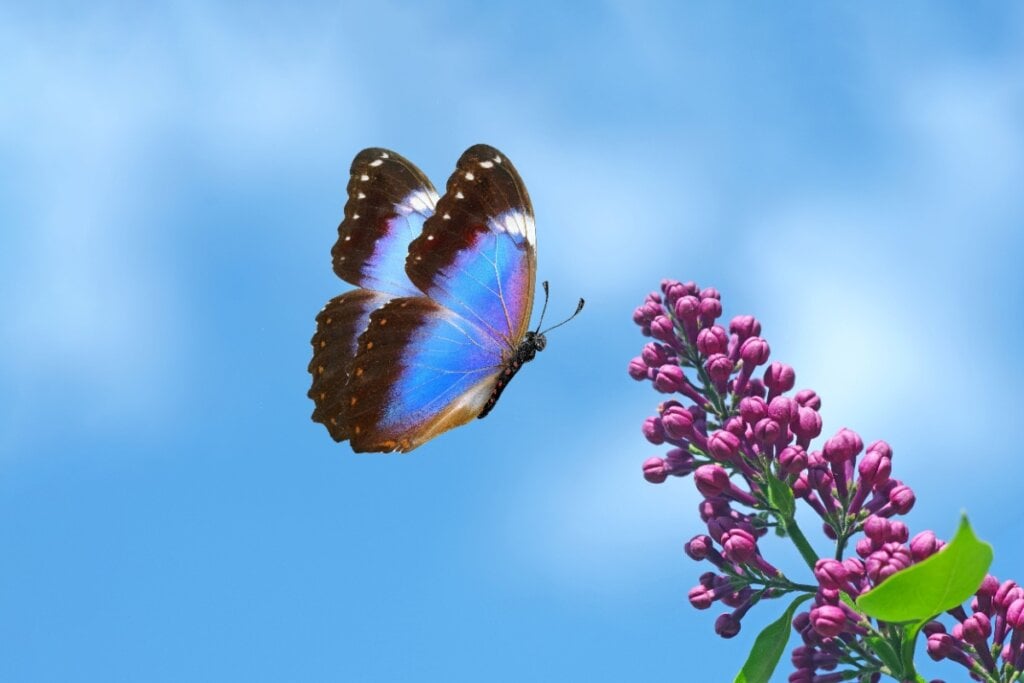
388 201
476 254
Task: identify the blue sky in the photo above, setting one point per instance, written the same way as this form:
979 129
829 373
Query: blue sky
171 183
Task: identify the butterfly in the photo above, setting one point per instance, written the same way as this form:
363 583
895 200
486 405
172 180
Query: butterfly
439 323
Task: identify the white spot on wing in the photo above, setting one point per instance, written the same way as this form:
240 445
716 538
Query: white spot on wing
486 164
384 155
516 224
361 196
364 177
420 201
469 175
376 162
458 194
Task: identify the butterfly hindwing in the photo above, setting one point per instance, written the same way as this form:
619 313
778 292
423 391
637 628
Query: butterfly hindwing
419 370
476 255
388 201
338 327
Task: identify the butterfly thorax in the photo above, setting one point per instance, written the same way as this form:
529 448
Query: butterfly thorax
524 353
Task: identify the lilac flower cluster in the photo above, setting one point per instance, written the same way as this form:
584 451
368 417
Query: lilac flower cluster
979 640
732 420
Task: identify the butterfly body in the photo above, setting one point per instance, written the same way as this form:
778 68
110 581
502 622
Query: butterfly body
439 323
527 350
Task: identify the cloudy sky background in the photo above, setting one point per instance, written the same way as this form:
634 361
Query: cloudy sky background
171 182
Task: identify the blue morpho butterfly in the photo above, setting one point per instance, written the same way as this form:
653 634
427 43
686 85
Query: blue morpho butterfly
439 324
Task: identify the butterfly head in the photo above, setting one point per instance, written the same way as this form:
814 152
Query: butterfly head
531 344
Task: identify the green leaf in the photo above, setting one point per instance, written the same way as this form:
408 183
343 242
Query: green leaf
769 646
943 581
886 652
780 496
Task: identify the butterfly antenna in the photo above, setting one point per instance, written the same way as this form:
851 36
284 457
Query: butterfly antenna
579 307
545 309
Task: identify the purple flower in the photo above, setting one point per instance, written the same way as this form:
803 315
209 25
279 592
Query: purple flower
670 379
744 439
655 470
828 620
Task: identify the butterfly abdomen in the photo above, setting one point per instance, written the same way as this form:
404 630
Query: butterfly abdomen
527 350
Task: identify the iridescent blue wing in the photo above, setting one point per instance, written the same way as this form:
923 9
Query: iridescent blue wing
388 201
477 254
420 370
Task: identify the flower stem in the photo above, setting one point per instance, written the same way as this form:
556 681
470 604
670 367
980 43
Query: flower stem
799 540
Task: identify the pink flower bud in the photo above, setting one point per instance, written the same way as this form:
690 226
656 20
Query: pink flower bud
874 469
719 367
882 448
745 326
754 352
653 431
662 329
638 369
655 470
673 291
687 309
654 354
712 480
940 646
727 626
924 545
976 629
1015 614
779 378
876 528
807 424
898 532
783 410
679 462
768 431
792 460
701 597
723 445
712 340
753 409
831 573
677 422
902 498
670 379
710 309
844 446
828 620
808 399
739 545
699 547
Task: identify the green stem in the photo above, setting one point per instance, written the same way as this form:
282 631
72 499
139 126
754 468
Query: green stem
800 541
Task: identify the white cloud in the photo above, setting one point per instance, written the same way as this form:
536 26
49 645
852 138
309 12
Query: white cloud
95 309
